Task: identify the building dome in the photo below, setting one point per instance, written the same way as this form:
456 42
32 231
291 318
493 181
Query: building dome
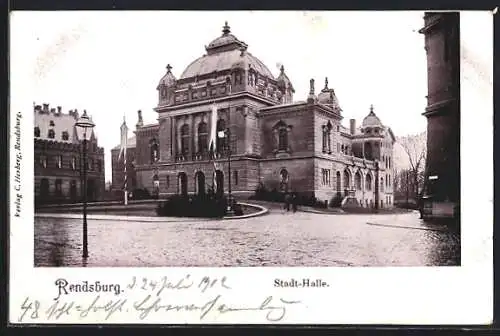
371 120
327 97
283 81
168 79
224 53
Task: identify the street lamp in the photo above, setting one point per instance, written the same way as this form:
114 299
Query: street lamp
226 134
85 124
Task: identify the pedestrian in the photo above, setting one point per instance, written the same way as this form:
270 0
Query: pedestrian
294 202
287 202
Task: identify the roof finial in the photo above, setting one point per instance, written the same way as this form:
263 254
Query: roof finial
311 86
371 109
226 29
326 83
282 68
169 67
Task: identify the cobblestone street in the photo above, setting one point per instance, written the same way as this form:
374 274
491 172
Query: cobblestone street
276 239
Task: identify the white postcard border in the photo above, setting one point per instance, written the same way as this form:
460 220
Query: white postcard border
369 295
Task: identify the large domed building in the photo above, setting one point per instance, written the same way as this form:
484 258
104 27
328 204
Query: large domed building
273 142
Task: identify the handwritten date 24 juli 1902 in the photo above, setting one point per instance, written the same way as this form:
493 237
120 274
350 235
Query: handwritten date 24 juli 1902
274 309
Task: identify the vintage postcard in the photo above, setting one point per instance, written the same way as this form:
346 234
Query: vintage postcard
251 167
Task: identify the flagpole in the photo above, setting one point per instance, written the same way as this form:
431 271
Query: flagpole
125 194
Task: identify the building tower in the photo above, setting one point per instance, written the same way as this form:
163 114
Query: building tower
442 44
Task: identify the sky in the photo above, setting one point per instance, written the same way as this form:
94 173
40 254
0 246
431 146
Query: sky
109 63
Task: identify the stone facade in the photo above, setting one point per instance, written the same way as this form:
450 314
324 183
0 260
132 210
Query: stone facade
274 141
442 43
58 160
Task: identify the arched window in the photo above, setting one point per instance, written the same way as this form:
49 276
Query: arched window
221 141
282 139
37 132
51 134
347 179
202 137
200 183
182 183
327 143
357 179
185 139
381 184
155 152
59 160
281 132
368 182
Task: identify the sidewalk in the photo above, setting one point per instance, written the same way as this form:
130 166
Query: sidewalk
262 211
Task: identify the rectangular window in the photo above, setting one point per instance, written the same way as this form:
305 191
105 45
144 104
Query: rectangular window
59 161
325 173
167 181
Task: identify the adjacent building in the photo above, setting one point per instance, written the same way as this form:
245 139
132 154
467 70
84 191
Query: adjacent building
273 141
58 158
442 44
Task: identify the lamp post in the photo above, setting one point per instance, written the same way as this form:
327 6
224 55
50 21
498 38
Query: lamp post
85 124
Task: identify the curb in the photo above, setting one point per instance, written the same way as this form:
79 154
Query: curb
262 212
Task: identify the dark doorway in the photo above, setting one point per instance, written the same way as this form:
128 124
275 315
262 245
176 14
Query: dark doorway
44 189
72 191
182 179
219 179
91 190
200 183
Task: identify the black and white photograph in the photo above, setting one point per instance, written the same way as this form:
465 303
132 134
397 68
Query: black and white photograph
229 139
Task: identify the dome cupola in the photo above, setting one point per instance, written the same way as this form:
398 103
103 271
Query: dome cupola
327 97
371 120
168 79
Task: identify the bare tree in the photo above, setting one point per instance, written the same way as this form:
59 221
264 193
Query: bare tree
415 148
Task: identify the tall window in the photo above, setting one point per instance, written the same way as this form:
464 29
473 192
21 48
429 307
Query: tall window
325 173
73 163
65 135
357 178
99 166
202 137
37 132
185 139
155 153
337 178
43 161
381 184
58 187
51 134
59 159
327 144
282 139
368 182
221 141
347 179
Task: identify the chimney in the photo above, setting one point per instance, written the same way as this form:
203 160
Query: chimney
46 108
53 110
38 108
353 126
59 110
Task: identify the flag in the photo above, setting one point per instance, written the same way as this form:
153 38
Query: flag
123 139
212 139
212 143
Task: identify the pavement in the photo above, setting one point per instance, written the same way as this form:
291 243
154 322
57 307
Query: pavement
276 239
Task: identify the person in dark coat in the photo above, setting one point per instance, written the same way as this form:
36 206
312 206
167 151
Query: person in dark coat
294 202
287 202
